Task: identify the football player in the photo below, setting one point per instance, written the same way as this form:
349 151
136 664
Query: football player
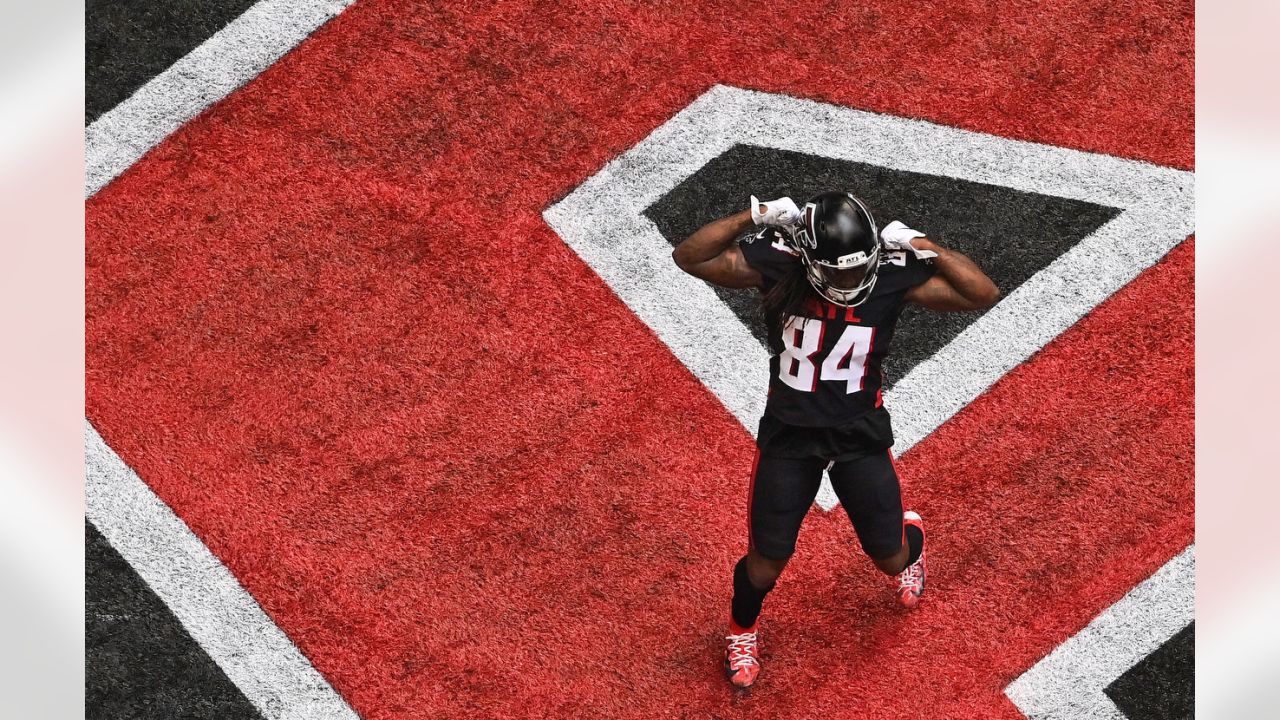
832 284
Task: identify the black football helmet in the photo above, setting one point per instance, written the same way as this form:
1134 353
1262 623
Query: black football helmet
839 244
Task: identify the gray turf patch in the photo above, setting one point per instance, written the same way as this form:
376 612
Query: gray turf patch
1010 233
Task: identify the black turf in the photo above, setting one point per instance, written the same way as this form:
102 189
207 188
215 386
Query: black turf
127 42
1162 685
1011 234
139 661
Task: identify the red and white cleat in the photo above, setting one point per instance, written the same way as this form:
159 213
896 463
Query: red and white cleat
911 580
742 657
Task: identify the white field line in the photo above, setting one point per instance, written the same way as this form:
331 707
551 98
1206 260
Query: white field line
209 602
202 593
230 58
1068 683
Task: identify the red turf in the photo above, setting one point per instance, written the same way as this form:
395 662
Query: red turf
430 462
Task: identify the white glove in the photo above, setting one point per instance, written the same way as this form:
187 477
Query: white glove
897 236
780 212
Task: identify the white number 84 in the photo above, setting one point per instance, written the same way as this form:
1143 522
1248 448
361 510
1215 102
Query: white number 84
847 361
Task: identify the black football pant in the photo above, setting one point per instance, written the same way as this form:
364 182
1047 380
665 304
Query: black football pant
782 489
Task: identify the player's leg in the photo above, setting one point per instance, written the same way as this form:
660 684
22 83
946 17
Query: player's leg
868 489
782 489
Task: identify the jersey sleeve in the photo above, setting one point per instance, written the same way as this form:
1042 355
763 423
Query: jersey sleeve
768 254
901 270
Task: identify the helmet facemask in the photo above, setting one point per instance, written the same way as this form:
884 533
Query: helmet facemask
849 279
847 282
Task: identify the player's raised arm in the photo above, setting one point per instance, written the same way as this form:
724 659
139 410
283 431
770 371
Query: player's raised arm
712 253
958 285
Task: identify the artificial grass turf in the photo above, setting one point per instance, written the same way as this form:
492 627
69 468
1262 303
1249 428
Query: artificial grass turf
128 42
139 661
1157 687
327 324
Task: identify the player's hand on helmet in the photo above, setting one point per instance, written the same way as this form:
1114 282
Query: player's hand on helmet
777 213
896 236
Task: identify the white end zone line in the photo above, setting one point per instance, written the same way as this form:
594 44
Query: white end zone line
231 57
1068 683
603 221
209 602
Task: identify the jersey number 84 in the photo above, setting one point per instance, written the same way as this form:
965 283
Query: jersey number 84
846 361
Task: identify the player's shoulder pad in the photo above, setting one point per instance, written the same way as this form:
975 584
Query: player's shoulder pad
770 238
768 252
769 241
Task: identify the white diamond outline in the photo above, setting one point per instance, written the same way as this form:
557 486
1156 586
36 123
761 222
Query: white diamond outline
603 221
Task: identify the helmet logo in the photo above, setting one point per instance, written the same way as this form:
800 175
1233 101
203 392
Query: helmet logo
804 232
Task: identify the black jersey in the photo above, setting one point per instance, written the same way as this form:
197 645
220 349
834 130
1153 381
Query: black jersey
828 374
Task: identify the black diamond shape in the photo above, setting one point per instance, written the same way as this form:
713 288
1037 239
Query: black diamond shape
1011 234
1162 685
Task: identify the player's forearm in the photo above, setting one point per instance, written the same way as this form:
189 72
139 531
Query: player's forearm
963 274
711 239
